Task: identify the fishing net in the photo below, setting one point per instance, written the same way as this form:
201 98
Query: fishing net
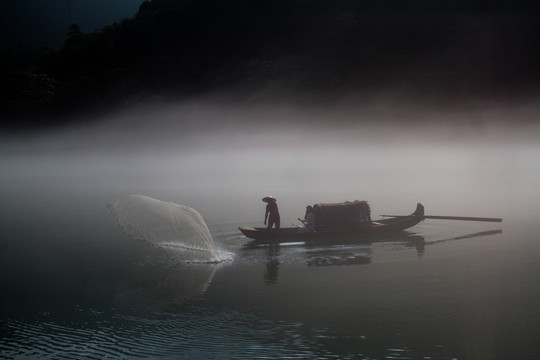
165 224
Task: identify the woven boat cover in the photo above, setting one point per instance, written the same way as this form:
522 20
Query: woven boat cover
342 216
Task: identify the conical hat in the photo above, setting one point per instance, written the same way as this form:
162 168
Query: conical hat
268 199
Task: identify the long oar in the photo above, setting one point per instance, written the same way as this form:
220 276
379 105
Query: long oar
462 218
465 218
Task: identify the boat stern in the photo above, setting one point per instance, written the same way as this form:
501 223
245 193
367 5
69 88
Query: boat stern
419 210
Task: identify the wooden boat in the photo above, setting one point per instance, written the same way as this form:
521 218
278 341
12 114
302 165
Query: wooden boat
291 234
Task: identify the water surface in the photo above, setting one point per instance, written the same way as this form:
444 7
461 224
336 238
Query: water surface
75 286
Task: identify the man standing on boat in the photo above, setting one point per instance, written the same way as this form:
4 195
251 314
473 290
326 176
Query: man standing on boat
272 212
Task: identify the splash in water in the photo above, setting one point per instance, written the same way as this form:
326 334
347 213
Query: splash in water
178 228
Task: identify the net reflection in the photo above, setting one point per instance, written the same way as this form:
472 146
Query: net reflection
164 285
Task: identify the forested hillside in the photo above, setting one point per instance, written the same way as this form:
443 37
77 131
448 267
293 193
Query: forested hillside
262 49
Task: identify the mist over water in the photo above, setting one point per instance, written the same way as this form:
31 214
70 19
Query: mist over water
70 270
218 158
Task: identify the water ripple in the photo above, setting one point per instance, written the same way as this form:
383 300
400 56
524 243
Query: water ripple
194 333
199 334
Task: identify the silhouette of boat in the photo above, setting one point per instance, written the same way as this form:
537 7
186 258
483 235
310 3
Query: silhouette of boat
335 229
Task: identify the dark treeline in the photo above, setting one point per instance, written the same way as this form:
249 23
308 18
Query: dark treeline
439 50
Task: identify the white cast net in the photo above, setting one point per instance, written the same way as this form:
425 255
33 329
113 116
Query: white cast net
166 224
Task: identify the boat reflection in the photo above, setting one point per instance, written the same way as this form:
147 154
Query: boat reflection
419 243
272 265
328 253
339 257
468 236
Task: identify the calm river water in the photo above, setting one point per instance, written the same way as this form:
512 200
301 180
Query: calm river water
74 286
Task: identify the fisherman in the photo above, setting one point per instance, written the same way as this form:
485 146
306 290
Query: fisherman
308 221
272 212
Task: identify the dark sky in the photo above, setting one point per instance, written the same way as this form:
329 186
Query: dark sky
46 22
